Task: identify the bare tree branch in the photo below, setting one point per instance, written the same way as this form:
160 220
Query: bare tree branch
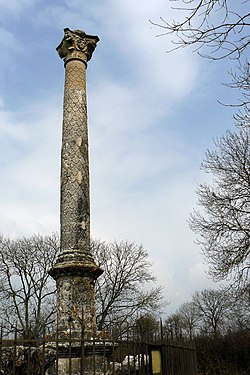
223 225
214 24
123 289
26 289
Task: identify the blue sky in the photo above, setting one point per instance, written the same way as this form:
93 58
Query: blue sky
152 115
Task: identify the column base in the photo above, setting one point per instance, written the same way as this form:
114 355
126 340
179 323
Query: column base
90 358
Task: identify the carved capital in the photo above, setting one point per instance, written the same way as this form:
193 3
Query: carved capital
77 44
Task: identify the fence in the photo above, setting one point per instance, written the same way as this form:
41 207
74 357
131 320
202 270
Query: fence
103 355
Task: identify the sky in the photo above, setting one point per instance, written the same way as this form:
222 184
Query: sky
152 115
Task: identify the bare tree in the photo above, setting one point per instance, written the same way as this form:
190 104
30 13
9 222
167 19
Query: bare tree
188 315
27 292
173 326
240 80
220 327
221 26
125 288
210 312
147 327
203 315
239 315
217 29
223 226
213 306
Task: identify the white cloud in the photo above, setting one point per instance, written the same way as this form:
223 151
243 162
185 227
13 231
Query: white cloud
165 76
14 8
10 46
196 278
30 169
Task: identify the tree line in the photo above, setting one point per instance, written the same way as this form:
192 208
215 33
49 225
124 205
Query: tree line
211 313
214 322
125 290
219 325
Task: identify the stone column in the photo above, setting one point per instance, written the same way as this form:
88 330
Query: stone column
75 271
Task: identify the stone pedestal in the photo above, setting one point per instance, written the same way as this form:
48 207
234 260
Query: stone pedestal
88 359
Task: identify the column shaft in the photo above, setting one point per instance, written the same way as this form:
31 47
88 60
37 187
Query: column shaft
75 271
75 205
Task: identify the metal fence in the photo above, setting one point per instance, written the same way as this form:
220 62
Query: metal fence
47 355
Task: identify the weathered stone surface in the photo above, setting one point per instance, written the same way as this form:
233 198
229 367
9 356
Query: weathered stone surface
75 271
80 314
77 44
75 204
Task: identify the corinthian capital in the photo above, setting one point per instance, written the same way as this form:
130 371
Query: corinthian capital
77 44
